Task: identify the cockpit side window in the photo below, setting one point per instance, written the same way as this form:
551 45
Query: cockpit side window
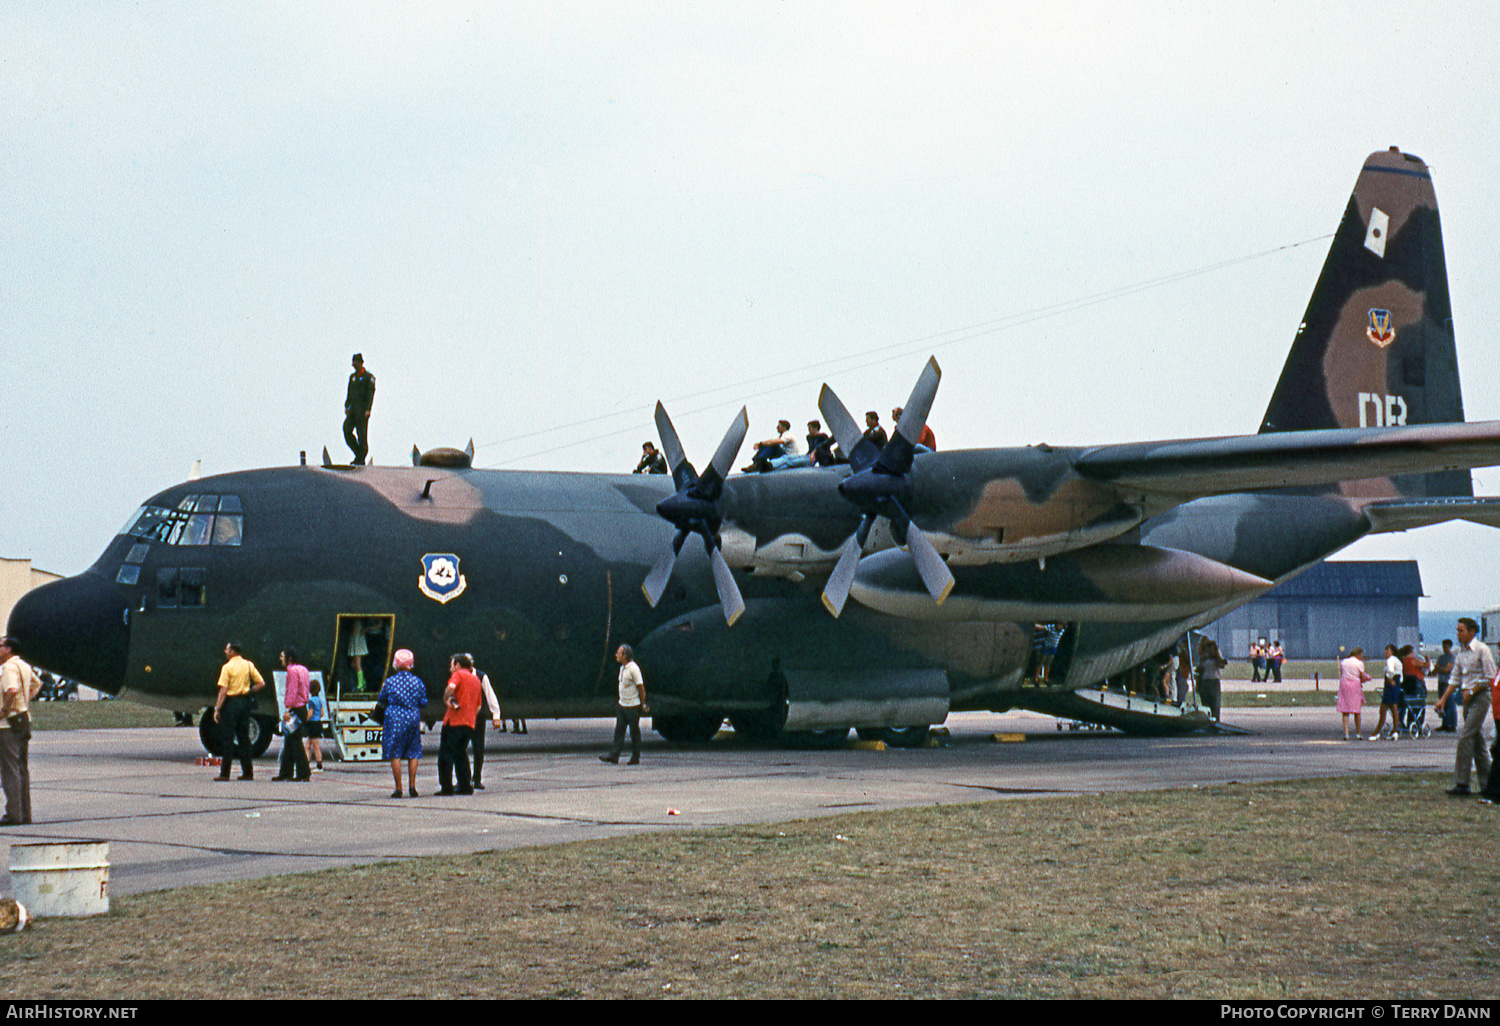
193 586
166 588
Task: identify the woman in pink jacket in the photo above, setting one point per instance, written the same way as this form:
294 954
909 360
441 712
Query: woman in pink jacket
1351 700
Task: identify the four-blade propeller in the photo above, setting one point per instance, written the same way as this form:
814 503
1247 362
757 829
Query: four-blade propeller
694 509
880 485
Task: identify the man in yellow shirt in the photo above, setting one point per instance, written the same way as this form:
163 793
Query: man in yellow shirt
17 687
238 680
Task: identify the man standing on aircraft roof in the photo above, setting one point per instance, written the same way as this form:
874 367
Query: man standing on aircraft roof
1473 671
357 403
462 701
652 462
238 680
926 438
18 686
632 702
873 431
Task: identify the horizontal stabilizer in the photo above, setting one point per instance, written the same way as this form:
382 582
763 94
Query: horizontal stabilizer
1216 466
1404 514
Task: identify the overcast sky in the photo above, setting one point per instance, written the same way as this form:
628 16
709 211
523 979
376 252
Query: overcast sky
536 219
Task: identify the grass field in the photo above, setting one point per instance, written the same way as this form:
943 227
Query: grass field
1253 891
85 715
1284 699
1299 669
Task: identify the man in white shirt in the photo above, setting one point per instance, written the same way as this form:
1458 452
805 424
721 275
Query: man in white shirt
632 702
783 444
1473 670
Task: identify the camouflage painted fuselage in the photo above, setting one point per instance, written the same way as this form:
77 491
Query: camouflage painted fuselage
540 575
552 565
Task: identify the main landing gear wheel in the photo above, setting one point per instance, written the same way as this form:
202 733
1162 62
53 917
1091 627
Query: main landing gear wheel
262 729
211 734
688 728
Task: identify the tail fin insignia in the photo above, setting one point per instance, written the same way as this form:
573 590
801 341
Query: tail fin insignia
1375 348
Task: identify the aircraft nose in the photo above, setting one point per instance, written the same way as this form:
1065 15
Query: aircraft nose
75 627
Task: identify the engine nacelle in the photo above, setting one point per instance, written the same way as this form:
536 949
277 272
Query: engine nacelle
1105 583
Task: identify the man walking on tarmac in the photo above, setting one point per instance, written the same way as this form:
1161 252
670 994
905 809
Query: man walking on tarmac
632 702
1473 670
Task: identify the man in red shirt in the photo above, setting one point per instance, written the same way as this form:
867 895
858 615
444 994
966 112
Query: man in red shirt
462 701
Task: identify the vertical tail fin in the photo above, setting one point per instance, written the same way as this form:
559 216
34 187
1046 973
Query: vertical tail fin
1375 348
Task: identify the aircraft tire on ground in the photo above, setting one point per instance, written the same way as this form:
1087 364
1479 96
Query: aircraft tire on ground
688 728
262 729
209 734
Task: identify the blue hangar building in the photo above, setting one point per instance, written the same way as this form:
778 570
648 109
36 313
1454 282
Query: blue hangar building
1332 606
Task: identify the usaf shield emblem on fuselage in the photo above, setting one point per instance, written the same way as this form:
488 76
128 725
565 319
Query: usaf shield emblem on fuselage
1380 331
440 580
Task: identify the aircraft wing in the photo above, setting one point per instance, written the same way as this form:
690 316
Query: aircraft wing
1214 466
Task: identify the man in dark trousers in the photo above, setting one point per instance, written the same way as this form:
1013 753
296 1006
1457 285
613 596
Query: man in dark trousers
632 703
17 689
461 700
238 681
357 403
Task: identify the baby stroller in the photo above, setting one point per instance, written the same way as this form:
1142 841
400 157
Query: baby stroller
1414 709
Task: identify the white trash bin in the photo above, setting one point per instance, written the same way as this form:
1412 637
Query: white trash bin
62 878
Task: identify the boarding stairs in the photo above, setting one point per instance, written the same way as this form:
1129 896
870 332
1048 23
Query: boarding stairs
1132 712
354 729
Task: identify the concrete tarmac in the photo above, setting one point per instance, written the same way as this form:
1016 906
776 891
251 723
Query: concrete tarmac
170 823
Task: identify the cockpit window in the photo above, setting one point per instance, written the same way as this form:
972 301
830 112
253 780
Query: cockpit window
227 529
197 520
197 529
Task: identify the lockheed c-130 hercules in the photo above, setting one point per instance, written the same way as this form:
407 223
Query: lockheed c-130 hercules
952 558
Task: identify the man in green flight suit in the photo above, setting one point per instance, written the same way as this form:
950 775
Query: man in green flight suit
357 402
